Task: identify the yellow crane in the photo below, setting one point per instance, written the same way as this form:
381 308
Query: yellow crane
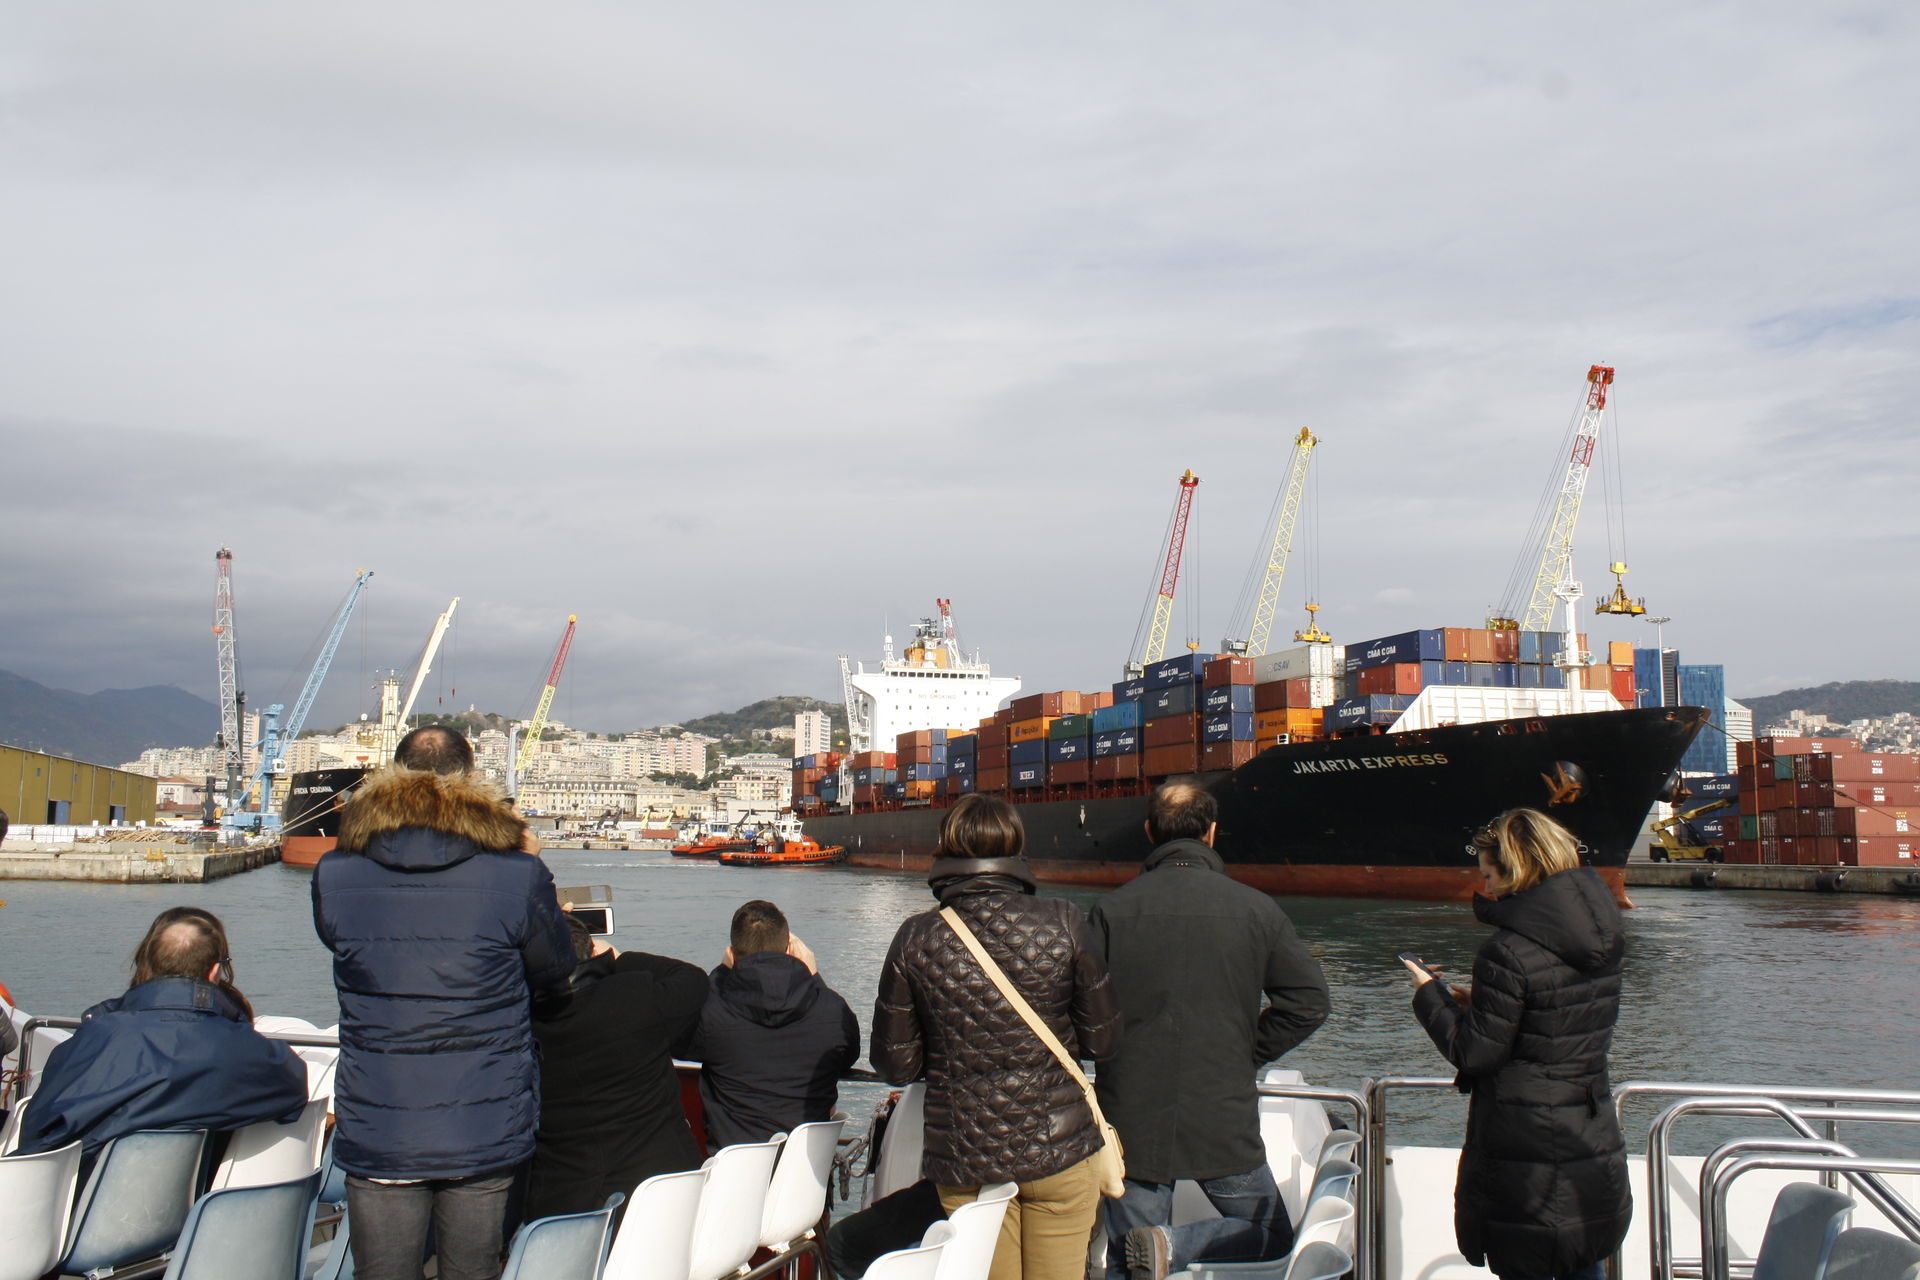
1287 515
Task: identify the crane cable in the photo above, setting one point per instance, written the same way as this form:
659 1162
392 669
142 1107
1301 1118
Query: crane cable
1137 650
1526 564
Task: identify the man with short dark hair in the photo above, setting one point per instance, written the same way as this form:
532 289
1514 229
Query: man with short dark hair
610 1114
773 1037
441 929
1192 955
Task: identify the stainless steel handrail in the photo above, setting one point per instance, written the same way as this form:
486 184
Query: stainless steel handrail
1714 1194
1356 1101
1744 1146
1370 1250
1750 1100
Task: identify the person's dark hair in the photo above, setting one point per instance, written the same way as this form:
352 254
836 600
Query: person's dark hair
758 926
982 827
582 938
185 942
3 824
1181 809
435 748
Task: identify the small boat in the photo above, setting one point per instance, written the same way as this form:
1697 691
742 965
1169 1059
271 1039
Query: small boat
785 846
701 840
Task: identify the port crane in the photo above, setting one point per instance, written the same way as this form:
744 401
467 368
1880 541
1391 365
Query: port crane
233 751
1162 601
274 735
530 743
1553 581
1292 494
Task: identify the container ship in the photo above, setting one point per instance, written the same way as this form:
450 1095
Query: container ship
310 819
1358 771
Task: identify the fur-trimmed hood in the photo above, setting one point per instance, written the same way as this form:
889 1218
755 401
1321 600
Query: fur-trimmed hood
395 815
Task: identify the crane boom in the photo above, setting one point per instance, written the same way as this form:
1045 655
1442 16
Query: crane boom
426 660
1556 557
232 750
1269 601
1170 572
538 724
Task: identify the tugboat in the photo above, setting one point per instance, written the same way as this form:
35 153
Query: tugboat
785 845
710 840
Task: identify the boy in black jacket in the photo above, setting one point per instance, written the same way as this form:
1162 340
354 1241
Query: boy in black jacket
773 1038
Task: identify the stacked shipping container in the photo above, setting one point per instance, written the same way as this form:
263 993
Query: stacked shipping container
1825 802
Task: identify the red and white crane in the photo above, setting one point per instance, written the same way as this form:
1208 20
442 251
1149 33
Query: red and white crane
535 727
1156 646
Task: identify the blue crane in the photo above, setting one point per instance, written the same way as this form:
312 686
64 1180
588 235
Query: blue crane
274 738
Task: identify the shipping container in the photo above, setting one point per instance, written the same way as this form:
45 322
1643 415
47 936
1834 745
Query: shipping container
1620 653
1031 751
1480 645
1067 773
1227 697
1130 690
1538 647
1453 644
1860 767
1626 687
1297 663
962 745
990 735
993 780
921 790
1378 709
1066 749
1070 727
1215 756
1506 646
1227 726
1028 730
1170 700
993 758
1184 668
1121 715
1227 670
1092 702
1711 787
1114 767
959 765
961 785
1879 851
1170 730
1116 742
1036 705
925 772
1856 822
1408 646
1023 776
1162 762
1397 677
1851 795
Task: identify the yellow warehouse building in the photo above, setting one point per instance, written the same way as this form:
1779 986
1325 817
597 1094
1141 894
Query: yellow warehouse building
37 788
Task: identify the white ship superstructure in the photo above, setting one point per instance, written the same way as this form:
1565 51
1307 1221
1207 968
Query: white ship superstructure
931 686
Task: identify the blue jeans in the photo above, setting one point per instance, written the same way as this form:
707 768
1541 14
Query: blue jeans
1252 1226
388 1226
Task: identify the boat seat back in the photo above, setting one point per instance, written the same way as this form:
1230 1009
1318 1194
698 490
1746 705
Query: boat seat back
797 1195
655 1240
726 1230
135 1200
897 1164
270 1152
1320 1261
1805 1221
36 1197
257 1232
1867 1253
921 1263
971 1233
571 1246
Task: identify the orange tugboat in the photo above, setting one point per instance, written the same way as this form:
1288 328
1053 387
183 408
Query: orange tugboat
780 849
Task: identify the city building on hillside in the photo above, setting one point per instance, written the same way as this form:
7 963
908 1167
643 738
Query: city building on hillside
572 796
812 733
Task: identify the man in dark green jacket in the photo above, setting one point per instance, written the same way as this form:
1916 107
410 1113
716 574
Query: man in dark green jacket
1192 954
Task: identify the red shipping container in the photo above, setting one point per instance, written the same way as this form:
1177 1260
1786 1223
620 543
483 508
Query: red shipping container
1623 687
1794 851
1226 755
1398 677
1769 823
1226 671
1068 772
1161 762
996 735
1453 643
1878 851
990 779
986 757
1506 646
1271 696
866 795
1035 705
1862 822
1824 851
1104 769
1885 767
1766 749
1849 795
1003 716
1170 730
1769 851
1480 645
1743 851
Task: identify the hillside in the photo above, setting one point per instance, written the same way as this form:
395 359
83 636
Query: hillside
769 713
1843 700
110 727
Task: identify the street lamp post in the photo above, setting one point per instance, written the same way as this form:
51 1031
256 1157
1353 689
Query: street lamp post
1660 647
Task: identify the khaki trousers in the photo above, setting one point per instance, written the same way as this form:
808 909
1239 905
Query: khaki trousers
1048 1226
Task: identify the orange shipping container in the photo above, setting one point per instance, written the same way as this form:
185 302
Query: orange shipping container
1225 755
1620 653
1506 646
1397 678
1092 702
1453 644
1028 730
991 780
1068 772
922 790
1479 645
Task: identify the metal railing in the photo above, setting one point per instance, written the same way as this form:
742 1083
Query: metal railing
1356 1101
1868 1106
1370 1248
1713 1215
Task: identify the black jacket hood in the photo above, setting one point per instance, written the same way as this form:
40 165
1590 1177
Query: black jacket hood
1572 914
952 877
1196 853
771 988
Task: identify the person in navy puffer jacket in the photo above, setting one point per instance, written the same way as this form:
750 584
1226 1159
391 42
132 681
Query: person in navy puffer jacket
441 928
177 1051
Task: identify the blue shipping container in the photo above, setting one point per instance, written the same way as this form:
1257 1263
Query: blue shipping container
1130 690
1712 787
896 791
937 753
936 736
925 772
1121 715
1506 675
1182 669
1374 709
1066 749
1227 697
1538 647
1032 751
1227 726
1173 700
958 765
960 785
1117 742
963 746
1029 775
1409 646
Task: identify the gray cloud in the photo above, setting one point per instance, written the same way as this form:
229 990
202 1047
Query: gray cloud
745 332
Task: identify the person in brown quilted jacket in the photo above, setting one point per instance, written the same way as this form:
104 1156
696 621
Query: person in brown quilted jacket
1000 1107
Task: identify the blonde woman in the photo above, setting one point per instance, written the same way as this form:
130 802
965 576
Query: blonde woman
1542 1190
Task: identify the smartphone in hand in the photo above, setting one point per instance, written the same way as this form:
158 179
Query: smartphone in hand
1417 966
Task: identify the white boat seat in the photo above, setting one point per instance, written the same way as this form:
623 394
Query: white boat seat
797 1194
36 1199
726 1230
248 1233
571 1246
269 1152
922 1263
898 1159
971 1232
655 1240
10 1131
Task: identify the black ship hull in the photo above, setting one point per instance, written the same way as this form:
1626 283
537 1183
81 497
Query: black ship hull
1382 816
310 821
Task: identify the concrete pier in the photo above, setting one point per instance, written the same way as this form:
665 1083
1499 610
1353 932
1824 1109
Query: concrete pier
133 862
1720 875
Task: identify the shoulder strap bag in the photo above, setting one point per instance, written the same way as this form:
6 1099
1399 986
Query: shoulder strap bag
1110 1162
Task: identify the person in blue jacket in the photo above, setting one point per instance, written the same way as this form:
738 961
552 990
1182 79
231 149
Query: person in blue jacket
441 929
177 1051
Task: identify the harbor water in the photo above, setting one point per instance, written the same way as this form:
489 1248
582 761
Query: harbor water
1732 987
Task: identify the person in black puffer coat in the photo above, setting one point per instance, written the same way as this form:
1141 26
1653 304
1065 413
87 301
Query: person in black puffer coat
772 1037
999 1106
1542 1190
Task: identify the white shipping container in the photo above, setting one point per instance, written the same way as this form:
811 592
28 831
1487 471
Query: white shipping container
1320 691
1456 704
1299 663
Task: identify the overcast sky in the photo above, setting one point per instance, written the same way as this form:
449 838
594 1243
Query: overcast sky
746 330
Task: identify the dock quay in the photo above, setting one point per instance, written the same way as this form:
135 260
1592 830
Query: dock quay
1791 879
133 861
